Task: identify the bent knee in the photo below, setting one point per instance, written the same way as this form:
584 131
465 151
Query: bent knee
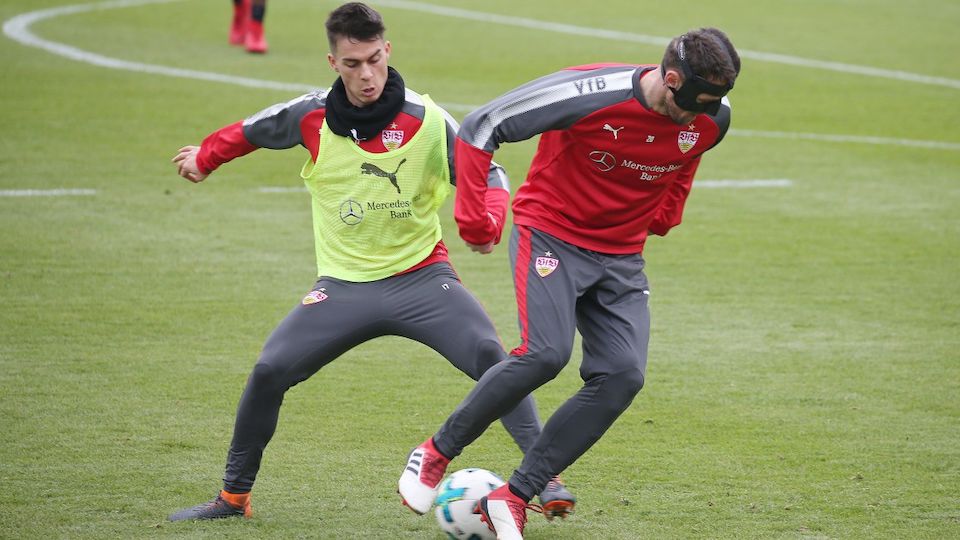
548 361
266 377
623 386
488 353
632 381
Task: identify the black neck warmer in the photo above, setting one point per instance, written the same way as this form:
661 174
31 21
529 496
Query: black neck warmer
362 123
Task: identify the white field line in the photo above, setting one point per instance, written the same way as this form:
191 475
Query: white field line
46 192
274 189
738 184
735 184
821 137
18 29
270 189
508 20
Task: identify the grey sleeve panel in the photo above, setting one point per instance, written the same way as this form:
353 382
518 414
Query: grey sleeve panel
556 101
496 178
452 128
722 119
278 127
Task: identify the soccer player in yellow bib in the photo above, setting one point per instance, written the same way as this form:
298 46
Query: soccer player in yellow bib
380 166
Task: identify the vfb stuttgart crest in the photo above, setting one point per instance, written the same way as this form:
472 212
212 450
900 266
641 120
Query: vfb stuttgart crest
686 140
314 296
547 264
392 138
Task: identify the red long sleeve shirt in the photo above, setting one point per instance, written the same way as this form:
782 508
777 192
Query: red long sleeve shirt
608 170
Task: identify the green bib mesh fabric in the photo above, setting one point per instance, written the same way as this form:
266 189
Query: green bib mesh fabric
376 214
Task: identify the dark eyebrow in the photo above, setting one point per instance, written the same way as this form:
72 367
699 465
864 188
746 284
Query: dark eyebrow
375 53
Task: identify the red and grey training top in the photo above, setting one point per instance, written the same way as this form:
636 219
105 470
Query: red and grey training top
298 122
608 169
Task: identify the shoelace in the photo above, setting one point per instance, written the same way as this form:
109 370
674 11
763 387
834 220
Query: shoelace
520 514
432 469
518 511
209 504
554 484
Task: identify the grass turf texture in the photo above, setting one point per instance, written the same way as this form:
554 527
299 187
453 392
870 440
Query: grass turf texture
803 378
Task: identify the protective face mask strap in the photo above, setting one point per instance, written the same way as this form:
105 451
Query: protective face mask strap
702 85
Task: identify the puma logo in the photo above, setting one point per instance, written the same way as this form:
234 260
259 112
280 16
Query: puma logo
370 168
611 129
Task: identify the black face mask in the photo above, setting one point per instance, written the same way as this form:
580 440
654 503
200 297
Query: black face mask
693 85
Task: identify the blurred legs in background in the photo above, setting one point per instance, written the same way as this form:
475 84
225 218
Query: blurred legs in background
247 26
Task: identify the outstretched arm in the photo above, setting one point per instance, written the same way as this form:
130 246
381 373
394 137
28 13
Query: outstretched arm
276 127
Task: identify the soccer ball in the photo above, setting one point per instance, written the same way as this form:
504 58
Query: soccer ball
457 499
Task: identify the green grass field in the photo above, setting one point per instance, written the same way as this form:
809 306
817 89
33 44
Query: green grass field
804 376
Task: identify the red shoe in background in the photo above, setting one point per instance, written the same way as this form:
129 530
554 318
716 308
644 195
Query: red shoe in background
255 42
238 29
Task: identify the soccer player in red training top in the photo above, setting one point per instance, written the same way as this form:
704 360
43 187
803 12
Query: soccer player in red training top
619 148
380 166
247 26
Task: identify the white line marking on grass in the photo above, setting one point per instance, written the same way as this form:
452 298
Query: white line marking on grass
509 20
765 183
46 192
775 182
268 189
18 29
845 139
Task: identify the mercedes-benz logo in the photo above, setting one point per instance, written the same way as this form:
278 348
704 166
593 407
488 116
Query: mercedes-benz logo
351 212
604 160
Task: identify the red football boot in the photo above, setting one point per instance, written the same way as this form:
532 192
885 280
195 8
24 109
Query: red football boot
238 29
255 42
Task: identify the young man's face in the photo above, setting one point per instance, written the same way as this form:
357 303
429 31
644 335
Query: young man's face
363 67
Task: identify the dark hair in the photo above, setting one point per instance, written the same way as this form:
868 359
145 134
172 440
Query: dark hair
355 21
708 52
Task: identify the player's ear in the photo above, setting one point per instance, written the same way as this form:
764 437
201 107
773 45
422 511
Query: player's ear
672 78
387 47
333 62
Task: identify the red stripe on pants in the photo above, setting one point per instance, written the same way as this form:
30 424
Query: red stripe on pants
521 274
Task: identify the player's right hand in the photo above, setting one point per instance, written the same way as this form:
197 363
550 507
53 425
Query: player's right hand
487 247
186 162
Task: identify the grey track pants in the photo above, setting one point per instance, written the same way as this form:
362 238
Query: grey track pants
428 305
562 288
